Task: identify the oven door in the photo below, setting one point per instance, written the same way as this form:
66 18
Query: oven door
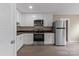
38 37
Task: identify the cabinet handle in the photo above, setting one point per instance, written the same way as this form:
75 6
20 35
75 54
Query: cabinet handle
13 41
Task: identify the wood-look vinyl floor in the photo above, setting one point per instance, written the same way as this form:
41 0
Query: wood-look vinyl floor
71 49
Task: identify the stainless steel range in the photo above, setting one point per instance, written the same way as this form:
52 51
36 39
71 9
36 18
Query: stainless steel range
38 32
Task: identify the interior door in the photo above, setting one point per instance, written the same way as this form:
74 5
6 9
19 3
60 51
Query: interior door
7 29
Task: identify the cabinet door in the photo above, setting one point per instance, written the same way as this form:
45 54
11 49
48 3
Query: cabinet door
27 20
28 38
21 40
17 17
17 42
49 38
48 19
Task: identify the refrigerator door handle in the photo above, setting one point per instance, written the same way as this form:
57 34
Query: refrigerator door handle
60 28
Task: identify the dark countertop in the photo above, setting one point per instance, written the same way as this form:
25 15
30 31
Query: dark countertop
18 33
29 29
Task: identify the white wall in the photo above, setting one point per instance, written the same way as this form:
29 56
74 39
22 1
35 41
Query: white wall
7 29
28 19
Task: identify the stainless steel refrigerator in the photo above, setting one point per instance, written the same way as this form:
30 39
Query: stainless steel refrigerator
60 32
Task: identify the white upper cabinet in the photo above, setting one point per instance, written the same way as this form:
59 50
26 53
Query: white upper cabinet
28 19
18 17
48 19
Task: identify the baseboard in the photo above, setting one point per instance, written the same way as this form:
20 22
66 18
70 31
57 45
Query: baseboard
28 44
38 45
74 41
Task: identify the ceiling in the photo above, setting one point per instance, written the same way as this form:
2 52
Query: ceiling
55 8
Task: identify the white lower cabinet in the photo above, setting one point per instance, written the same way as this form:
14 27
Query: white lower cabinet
19 41
48 38
28 38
